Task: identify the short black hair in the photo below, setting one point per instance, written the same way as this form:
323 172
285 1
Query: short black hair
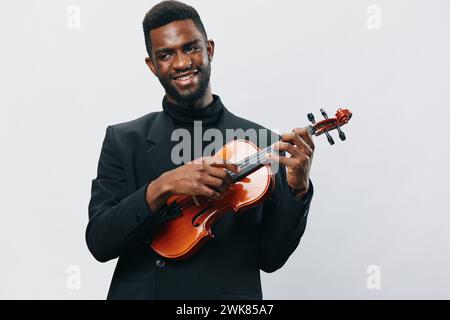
166 12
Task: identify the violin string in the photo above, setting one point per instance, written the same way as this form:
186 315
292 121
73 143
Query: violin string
254 159
255 156
248 165
268 149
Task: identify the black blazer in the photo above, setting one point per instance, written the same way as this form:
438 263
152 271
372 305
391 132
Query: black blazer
121 226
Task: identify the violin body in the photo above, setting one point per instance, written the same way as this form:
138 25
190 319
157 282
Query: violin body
183 236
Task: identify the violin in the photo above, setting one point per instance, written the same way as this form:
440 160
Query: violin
183 236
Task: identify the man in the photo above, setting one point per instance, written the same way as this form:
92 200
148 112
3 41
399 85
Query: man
136 176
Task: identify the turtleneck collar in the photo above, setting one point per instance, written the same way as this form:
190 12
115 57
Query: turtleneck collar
186 116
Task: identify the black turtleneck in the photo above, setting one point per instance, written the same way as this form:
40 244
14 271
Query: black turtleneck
185 117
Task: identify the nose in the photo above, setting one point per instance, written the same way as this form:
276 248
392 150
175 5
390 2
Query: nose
182 61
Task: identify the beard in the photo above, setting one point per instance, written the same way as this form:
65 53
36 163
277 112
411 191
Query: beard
189 96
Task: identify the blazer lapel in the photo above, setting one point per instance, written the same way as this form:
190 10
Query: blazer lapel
160 145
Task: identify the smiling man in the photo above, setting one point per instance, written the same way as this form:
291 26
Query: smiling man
137 175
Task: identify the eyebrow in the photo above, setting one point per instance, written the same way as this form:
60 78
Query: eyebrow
187 44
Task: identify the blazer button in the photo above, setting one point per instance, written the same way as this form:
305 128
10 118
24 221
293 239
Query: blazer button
160 263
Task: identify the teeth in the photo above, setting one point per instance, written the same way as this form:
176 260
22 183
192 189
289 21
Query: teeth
187 77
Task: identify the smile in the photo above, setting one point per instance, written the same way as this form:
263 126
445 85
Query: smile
186 77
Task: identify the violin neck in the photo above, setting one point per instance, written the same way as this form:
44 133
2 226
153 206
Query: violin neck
257 160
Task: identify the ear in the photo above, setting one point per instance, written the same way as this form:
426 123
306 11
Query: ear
150 65
210 49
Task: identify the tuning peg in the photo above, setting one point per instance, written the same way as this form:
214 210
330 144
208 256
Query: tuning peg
329 137
311 118
341 135
324 114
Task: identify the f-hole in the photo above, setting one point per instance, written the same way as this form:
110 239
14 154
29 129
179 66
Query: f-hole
195 224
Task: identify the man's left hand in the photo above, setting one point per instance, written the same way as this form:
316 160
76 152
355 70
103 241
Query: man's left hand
300 146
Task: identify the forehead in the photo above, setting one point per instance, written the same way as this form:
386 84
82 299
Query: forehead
174 34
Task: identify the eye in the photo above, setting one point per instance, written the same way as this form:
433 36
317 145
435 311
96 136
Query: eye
164 56
192 48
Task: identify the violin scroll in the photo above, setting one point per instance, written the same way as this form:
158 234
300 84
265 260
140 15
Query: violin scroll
343 116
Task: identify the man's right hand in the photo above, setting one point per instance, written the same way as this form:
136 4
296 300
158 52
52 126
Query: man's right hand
208 178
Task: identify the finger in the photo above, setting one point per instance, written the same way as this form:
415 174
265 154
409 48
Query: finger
306 136
222 169
215 183
221 163
284 146
297 140
226 165
219 172
208 192
285 161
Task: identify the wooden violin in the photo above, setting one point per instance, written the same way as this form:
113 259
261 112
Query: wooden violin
183 236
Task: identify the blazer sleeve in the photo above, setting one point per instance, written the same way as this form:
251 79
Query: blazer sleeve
283 223
118 221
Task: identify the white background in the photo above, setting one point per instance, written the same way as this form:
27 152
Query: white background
381 197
